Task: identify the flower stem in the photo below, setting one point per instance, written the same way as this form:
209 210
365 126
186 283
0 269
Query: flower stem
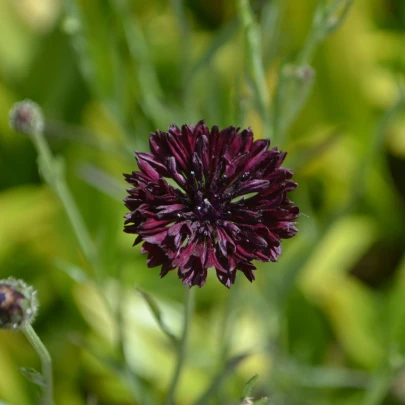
45 360
182 346
255 63
53 172
51 169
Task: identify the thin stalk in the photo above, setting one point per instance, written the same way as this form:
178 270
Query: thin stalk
227 324
182 347
254 59
51 169
327 19
294 88
226 333
46 361
53 172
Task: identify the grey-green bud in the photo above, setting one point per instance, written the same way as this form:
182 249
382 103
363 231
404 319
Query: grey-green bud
18 304
26 117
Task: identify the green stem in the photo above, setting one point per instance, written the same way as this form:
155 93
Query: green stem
254 59
182 347
45 360
51 169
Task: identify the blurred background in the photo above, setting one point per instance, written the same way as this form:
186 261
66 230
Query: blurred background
324 325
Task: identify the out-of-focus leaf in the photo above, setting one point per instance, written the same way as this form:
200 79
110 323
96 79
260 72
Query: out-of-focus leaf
21 206
33 376
218 380
308 154
375 144
396 313
76 273
148 80
247 390
272 14
11 383
223 36
101 180
146 349
351 307
379 387
117 367
153 306
15 53
322 377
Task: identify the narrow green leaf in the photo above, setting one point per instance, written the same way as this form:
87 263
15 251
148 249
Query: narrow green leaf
76 273
131 378
158 316
247 390
33 376
100 180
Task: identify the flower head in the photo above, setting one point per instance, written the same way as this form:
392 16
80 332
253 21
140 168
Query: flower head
26 117
210 198
18 304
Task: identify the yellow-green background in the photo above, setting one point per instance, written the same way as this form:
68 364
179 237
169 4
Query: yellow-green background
325 325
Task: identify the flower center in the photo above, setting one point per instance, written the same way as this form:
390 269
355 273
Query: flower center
204 209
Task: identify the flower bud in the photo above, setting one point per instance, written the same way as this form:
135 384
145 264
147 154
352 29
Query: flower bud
26 117
18 304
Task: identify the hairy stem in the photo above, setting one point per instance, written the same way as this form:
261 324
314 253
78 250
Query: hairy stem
51 170
45 360
254 59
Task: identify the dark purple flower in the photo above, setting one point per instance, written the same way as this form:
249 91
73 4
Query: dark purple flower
210 199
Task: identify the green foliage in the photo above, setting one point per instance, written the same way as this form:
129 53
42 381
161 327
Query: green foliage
33 376
247 390
158 316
